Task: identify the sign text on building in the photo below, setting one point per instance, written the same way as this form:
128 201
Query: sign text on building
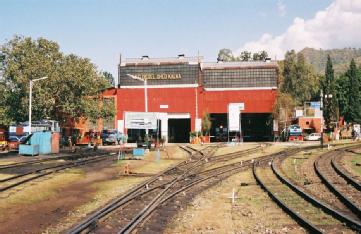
159 76
140 120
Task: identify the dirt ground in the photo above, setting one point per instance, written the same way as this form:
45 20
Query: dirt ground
54 203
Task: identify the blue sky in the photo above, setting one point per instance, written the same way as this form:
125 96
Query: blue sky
100 30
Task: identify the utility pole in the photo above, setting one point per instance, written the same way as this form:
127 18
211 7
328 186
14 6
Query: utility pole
30 98
321 105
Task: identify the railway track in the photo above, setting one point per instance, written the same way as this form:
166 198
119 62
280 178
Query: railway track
151 192
349 178
43 160
198 183
22 178
123 208
342 215
295 203
346 193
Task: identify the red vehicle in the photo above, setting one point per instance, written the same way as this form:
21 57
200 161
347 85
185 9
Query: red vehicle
3 140
14 142
86 137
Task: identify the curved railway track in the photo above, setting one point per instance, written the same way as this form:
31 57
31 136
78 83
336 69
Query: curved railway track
347 194
122 208
344 216
350 221
349 178
304 209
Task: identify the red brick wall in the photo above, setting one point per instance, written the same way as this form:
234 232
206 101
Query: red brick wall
312 123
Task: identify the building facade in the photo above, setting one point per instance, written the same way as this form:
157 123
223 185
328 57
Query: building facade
181 89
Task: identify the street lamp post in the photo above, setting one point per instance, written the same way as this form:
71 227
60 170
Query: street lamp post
30 98
327 97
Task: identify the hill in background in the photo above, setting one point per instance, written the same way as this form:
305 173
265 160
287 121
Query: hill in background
341 58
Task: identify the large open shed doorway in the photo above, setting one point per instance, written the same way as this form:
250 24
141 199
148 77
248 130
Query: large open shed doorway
178 130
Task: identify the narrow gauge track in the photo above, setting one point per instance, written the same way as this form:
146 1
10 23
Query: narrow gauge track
346 217
347 194
348 177
158 181
23 178
297 205
184 183
198 181
39 161
230 156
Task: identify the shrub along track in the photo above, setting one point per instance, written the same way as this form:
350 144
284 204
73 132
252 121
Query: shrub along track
35 173
318 194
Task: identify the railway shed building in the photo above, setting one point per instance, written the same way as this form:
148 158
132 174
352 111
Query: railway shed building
181 89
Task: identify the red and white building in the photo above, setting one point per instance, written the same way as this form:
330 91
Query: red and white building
182 89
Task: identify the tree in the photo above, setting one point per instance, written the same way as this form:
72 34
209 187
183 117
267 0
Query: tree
206 123
342 87
289 73
283 108
245 56
263 55
260 56
354 111
71 90
110 78
3 118
225 55
329 97
299 78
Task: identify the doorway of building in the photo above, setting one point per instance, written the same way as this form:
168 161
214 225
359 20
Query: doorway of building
257 126
219 128
178 130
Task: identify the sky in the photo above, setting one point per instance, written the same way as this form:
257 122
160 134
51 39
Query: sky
103 29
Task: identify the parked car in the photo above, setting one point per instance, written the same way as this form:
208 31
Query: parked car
313 137
110 137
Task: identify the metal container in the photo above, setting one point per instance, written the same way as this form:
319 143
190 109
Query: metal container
29 149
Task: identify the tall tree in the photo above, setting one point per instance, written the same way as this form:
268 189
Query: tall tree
342 87
329 97
354 112
289 73
299 78
71 90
